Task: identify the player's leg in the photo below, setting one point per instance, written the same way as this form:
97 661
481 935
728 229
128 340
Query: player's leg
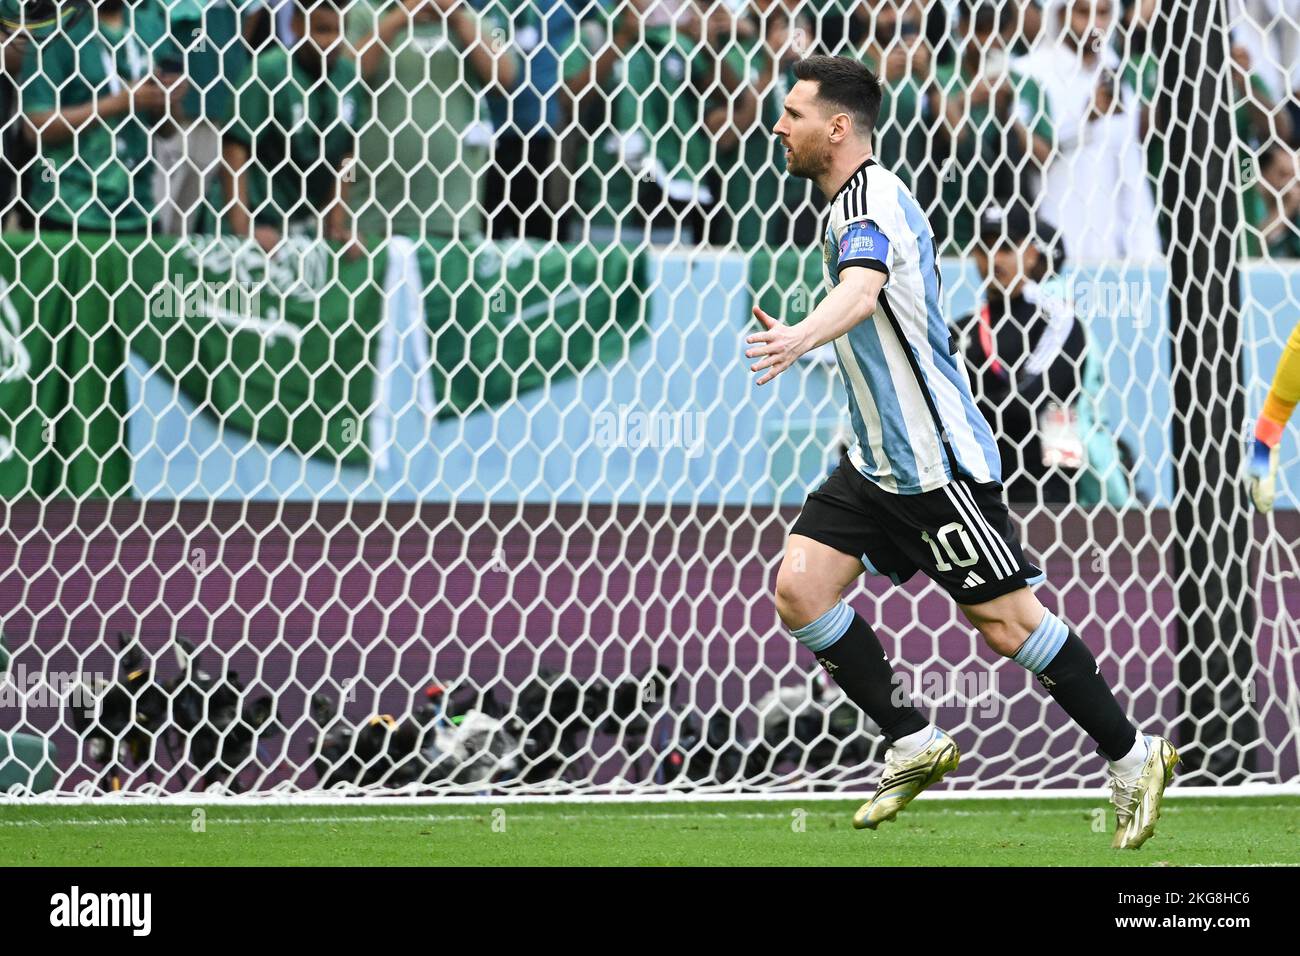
1016 625
976 556
961 536
809 586
835 533
838 523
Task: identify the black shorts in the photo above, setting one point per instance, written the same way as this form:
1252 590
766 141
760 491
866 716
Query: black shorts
960 535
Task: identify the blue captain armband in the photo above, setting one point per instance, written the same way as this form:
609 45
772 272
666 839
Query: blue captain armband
863 244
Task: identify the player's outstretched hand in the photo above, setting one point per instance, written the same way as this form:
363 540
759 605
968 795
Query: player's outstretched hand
777 347
1263 475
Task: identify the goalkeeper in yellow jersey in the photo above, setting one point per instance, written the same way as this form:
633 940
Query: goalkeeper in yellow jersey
1279 405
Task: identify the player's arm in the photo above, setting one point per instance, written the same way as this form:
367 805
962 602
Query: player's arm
1278 407
778 346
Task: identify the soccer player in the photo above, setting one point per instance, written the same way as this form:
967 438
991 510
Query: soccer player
1278 406
920 489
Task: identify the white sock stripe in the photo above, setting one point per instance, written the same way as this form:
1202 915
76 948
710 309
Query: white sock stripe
1029 653
979 530
1060 632
993 533
1046 640
1051 636
827 629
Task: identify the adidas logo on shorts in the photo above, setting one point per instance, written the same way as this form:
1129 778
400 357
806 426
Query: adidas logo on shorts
972 580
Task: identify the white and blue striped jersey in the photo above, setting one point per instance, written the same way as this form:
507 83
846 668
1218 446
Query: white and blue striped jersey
914 418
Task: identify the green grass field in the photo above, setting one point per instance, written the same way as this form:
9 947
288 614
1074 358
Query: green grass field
1193 831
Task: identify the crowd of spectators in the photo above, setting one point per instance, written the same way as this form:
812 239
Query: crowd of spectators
609 119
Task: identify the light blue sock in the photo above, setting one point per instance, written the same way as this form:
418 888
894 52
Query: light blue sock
1041 646
827 629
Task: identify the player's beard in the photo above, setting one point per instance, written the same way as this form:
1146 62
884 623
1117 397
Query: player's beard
810 162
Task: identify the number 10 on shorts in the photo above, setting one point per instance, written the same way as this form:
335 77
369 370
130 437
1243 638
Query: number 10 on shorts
944 535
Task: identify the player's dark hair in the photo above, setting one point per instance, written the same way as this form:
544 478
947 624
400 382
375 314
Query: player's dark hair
845 84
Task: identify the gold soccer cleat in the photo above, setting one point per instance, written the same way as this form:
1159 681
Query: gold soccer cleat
904 779
1137 802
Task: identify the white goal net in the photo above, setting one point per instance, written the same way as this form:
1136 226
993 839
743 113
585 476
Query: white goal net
374 417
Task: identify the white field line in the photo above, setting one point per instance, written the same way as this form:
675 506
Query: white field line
318 799
686 815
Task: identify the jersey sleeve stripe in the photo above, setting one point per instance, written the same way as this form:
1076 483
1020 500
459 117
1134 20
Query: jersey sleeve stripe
866 263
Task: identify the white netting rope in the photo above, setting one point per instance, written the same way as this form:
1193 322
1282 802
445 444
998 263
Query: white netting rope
475 279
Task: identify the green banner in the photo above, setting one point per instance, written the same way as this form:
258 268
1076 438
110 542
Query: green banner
786 284
508 318
280 348
62 396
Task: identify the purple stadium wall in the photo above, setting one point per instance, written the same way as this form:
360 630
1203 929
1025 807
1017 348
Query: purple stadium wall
299 597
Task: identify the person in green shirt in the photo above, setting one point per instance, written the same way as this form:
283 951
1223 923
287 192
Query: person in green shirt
1272 206
20 22
1258 120
289 140
996 128
600 183
890 40
767 207
679 103
208 35
424 65
93 96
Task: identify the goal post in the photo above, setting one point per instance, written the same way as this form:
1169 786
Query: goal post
440 474
1201 193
